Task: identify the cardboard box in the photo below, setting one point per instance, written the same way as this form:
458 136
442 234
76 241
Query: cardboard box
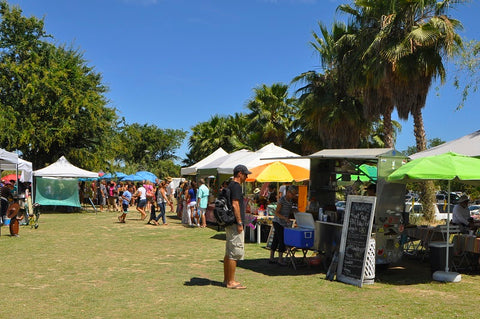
303 235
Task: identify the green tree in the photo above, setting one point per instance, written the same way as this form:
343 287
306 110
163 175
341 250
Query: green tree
271 115
403 43
329 111
468 70
146 147
52 99
228 132
403 46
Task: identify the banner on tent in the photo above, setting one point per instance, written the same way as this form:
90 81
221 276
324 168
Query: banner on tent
57 192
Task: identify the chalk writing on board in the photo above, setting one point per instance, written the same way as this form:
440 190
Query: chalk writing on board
355 238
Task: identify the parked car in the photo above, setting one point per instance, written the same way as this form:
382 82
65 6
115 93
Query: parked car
442 197
474 210
417 211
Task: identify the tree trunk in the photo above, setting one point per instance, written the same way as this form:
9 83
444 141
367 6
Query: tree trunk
427 188
388 128
419 130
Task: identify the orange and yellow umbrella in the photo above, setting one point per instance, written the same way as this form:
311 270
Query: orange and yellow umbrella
278 172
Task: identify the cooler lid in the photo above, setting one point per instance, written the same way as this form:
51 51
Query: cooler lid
305 220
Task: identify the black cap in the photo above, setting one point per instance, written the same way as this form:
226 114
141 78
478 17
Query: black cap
241 168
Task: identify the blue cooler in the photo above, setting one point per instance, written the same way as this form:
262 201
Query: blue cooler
301 236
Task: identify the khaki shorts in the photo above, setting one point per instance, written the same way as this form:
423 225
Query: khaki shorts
234 248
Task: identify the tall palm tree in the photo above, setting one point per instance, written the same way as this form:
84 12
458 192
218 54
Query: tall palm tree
403 43
271 114
327 110
228 132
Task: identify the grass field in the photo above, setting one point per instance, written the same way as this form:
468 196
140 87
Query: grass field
87 265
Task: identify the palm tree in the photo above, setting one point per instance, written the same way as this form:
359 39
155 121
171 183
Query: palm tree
271 115
328 109
403 46
228 132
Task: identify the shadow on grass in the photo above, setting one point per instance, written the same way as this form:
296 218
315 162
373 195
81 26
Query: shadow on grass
262 266
405 272
195 281
220 236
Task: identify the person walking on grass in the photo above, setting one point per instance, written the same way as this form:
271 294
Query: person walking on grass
234 246
126 198
202 201
141 195
162 201
192 203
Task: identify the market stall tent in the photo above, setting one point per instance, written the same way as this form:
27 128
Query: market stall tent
57 184
224 164
466 145
267 154
192 170
7 157
449 166
23 166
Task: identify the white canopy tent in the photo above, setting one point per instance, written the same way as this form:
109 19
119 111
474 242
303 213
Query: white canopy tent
192 170
7 158
57 184
63 169
225 164
466 145
24 166
267 154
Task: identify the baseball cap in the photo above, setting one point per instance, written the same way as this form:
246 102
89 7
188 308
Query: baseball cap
241 168
463 198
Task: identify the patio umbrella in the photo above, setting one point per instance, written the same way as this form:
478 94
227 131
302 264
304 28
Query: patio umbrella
278 172
449 166
10 177
132 178
147 176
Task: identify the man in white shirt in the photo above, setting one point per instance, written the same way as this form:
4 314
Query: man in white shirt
461 213
170 190
142 199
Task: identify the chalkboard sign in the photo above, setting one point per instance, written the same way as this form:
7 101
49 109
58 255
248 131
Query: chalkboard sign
357 229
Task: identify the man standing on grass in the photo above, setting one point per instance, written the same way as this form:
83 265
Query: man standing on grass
234 248
170 190
202 201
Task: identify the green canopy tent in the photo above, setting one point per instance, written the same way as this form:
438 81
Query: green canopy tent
449 166
366 173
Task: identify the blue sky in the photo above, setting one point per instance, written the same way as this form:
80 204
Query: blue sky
175 63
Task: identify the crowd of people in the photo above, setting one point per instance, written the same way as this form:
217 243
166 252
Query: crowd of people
153 199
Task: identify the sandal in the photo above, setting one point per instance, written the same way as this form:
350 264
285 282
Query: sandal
237 286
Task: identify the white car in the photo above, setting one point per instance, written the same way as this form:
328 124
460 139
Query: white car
474 210
417 211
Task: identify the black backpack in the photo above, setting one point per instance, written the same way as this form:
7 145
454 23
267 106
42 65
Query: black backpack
223 208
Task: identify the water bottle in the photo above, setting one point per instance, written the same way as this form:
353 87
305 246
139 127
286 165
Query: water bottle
320 214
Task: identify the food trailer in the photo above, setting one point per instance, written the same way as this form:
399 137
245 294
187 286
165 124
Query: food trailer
331 167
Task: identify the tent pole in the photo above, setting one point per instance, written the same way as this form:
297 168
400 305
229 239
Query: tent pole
448 228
